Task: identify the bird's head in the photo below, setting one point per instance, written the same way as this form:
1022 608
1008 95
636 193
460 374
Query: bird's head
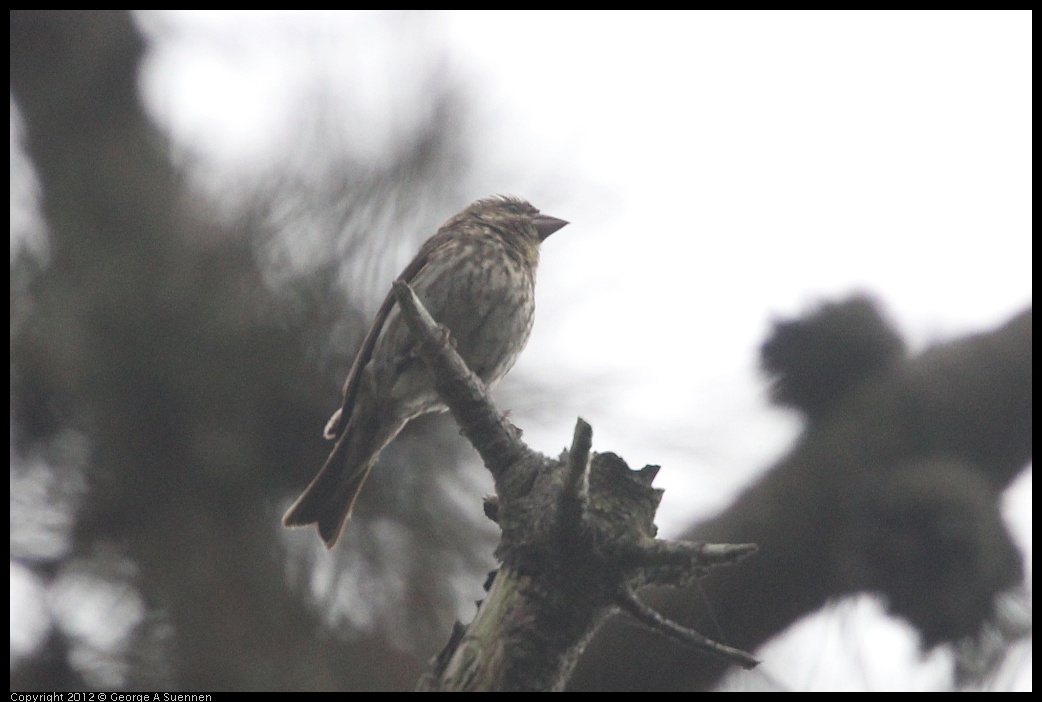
516 220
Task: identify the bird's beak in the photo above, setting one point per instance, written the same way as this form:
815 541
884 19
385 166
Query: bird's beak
547 225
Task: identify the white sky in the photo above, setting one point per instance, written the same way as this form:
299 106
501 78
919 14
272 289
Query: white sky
718 168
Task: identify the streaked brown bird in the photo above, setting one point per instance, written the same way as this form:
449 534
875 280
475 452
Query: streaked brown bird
476 276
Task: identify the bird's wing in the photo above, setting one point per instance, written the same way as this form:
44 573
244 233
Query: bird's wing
337 424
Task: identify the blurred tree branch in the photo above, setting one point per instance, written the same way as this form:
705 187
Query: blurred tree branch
146 319
893 488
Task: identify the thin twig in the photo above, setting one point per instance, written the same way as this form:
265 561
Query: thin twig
629 603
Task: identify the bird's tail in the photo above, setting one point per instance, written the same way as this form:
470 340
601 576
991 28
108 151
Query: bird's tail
328 500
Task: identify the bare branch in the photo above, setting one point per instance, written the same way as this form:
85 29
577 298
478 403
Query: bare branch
629 603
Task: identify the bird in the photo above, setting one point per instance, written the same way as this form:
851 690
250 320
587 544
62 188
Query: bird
476 276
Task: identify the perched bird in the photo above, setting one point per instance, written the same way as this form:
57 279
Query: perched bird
476 276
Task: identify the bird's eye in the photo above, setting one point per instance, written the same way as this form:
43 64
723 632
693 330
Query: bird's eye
513 208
